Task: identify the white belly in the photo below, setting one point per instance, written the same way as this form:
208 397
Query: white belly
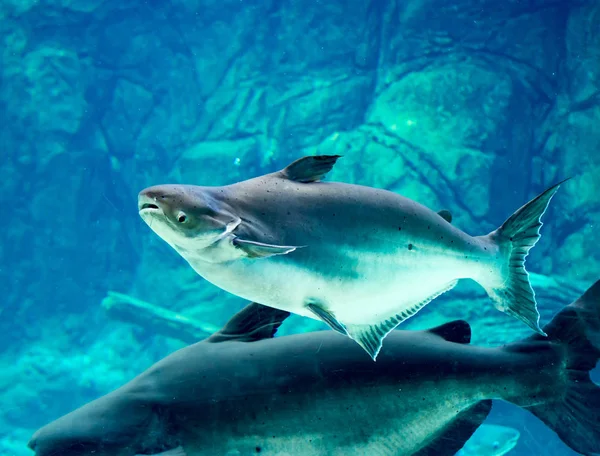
384 286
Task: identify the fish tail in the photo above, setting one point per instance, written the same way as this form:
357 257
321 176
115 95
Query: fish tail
511 290
574 412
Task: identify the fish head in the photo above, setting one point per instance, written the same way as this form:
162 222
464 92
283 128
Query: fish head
112 425
185 216
75 435
42 446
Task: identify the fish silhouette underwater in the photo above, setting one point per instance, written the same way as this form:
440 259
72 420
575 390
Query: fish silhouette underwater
243 391
358 258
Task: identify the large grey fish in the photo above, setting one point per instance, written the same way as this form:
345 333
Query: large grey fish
490 440
358 258
242 392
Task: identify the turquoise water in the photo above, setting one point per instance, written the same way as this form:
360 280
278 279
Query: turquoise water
459 105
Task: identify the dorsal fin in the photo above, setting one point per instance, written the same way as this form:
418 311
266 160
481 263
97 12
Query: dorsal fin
591 298
254 322
446 215
457 331
309 169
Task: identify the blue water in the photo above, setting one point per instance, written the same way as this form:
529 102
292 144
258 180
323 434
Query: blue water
462 105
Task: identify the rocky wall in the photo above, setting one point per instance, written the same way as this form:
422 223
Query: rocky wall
469 106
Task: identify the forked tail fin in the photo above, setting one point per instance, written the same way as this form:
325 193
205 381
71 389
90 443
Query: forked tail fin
510 289
575 416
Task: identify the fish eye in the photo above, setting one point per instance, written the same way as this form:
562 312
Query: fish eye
181 217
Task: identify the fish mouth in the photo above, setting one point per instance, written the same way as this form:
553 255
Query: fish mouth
148 207
149 210
513 441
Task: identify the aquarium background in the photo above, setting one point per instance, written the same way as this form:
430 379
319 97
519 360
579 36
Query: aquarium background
469 105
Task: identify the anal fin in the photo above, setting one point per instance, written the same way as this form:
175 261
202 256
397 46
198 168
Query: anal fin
451 439
370 337
327 317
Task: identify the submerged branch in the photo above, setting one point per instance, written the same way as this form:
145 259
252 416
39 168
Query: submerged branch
155 318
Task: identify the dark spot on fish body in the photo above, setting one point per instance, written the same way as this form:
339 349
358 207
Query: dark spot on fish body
410 246
258 449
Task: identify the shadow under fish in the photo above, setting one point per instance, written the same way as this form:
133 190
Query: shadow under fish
243 391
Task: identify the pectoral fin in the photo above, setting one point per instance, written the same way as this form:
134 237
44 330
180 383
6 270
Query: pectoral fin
310 168
179 451
259 250
254 322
